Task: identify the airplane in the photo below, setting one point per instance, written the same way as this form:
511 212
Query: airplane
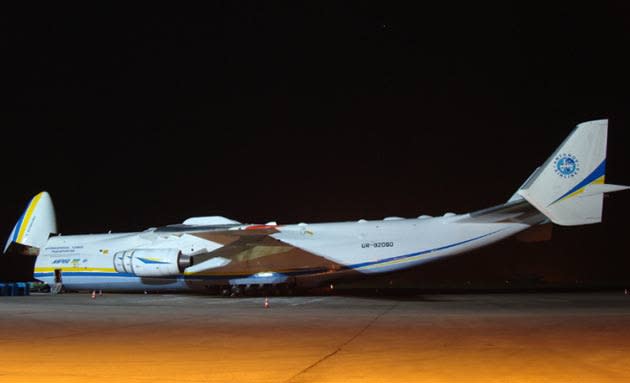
214 253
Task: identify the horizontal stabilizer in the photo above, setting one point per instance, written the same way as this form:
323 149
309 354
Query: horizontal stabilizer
594 189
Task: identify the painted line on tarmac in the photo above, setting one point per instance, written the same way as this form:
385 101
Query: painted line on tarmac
341 346
308 302
225 301
160 299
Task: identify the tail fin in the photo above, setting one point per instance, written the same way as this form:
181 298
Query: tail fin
36 223
569 187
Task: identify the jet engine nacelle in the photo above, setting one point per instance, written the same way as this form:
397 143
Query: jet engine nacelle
151 262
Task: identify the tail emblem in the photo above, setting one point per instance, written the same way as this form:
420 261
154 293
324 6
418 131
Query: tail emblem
566 165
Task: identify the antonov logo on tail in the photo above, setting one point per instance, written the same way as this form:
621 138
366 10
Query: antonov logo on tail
566 165
223 255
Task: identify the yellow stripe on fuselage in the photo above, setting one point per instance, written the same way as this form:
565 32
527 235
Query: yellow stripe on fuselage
27 216
75 269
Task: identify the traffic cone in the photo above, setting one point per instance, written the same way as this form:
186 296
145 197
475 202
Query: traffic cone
266 302
100 292
93 294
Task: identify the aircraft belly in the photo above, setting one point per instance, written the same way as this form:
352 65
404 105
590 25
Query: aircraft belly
288 254
123 283
386 247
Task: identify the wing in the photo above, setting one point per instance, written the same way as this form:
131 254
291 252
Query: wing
252 250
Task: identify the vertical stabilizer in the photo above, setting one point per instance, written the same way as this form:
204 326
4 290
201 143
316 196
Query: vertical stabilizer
569 187
36 223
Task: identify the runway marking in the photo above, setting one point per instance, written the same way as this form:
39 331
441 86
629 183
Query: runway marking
355 336
307 302
225 301
167 298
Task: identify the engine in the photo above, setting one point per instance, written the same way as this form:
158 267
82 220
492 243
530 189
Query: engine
152 262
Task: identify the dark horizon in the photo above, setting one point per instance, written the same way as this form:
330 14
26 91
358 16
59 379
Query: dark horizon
313 113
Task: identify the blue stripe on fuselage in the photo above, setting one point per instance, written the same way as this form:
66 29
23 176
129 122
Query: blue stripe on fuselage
359 265
290 273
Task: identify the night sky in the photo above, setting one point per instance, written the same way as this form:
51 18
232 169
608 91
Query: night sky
311 112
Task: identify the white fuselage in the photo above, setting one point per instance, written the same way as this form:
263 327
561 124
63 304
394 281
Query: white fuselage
86 261
210 251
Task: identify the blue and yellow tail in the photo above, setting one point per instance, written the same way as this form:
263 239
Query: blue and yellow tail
36 223
569 187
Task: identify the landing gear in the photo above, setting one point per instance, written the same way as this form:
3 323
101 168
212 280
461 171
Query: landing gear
256 290
251 290
285 289
231 291
236 291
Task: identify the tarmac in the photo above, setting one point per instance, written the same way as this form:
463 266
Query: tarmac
550 337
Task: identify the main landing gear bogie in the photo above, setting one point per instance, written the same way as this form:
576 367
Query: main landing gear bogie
235 291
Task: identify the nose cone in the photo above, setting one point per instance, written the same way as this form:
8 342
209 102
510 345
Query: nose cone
36 223
47 211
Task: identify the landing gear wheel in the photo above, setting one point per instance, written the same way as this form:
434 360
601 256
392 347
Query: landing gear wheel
236 291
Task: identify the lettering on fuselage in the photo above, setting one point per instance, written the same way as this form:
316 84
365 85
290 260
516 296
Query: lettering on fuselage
66 261
63 249
374 245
